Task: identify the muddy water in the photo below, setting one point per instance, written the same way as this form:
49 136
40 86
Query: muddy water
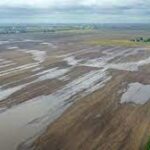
29 119
136 93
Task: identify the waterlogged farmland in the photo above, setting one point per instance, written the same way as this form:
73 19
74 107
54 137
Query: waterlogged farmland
56 89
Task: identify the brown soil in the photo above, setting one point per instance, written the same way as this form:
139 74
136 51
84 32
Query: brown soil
100 122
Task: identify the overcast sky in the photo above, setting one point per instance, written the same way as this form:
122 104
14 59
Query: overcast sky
75 11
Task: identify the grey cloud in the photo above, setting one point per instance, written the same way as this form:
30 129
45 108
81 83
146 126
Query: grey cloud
126 11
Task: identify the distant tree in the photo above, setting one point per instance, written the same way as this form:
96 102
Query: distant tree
139 39
147 40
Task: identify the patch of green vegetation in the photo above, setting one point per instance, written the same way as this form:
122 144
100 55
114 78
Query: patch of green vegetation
147 147
147 40
117 42
141 39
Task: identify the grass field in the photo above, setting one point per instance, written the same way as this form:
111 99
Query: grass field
117 42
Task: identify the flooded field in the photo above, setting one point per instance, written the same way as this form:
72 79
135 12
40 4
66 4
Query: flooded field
46 81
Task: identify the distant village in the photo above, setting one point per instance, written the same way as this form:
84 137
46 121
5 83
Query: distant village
9 29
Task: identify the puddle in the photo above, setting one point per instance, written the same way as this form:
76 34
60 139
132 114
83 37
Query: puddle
4 42
71 61
49 44
11 48
29 40
64 78
38 55
4 93
136 93
51 74
17 124
37 69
